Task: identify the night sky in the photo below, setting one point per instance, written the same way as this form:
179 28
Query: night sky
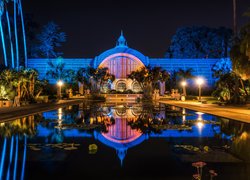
93 27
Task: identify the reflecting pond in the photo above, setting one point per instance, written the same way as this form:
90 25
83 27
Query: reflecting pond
124 141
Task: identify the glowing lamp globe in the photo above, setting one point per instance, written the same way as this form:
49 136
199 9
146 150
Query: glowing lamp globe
199 81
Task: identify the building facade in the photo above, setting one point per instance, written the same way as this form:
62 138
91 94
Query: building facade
122 60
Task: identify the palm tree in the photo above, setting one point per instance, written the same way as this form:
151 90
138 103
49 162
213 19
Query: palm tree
57 71
239 58
234 18
2 3
23 32
184 75
16 35
81 79
101 76
31 75
148 79
10 38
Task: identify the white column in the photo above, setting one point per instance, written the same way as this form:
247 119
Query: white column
162 88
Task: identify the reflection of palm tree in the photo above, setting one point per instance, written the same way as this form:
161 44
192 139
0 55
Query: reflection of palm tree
22 126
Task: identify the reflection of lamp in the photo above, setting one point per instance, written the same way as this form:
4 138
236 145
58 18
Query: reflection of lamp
60 83
60 114
183 84
199 115
200 123
199 81
183 115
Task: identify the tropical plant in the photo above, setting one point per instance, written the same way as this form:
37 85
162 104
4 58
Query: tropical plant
81 79
184 75
99 77
240 58
148 79
23 82
58 72
228 90
222 66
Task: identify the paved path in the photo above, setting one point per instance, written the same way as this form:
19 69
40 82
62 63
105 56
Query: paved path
11 113
240 113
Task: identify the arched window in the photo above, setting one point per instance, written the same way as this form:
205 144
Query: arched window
121 86
136 87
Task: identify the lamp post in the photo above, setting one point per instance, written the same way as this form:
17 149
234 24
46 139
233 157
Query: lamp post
60 83
183 84
199 81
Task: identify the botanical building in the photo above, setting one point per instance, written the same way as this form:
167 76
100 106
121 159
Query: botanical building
122 60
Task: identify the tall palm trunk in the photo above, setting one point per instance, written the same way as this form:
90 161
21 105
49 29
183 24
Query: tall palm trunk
32 86
16 35
11 44
19 89
24 36
3 43
244 88
234 17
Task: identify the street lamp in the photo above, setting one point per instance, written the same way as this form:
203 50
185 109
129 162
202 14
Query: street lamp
60 83
199 81
183 84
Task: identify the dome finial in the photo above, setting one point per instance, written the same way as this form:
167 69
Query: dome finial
121 40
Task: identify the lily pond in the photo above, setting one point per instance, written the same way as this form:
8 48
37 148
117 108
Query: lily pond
124 141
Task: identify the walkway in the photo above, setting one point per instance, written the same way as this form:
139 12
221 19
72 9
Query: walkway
240 112
11 113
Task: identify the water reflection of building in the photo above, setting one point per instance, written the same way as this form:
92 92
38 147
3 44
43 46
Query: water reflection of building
120 135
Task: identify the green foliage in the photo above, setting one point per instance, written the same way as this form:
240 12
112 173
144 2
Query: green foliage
200 42
185 74
49 39
240 53
58 72
148 79
98 77
228 89
23 83
222 66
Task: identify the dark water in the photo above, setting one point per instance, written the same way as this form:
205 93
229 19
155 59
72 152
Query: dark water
129 141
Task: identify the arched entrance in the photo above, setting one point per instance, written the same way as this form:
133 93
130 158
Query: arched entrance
121 65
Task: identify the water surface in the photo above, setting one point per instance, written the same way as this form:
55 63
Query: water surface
123 141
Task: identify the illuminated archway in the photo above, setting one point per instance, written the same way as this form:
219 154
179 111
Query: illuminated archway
121 64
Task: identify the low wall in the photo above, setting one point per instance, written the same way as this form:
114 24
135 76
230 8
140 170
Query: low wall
122 97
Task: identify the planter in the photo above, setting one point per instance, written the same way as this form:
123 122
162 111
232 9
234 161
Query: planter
42 99
5 103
